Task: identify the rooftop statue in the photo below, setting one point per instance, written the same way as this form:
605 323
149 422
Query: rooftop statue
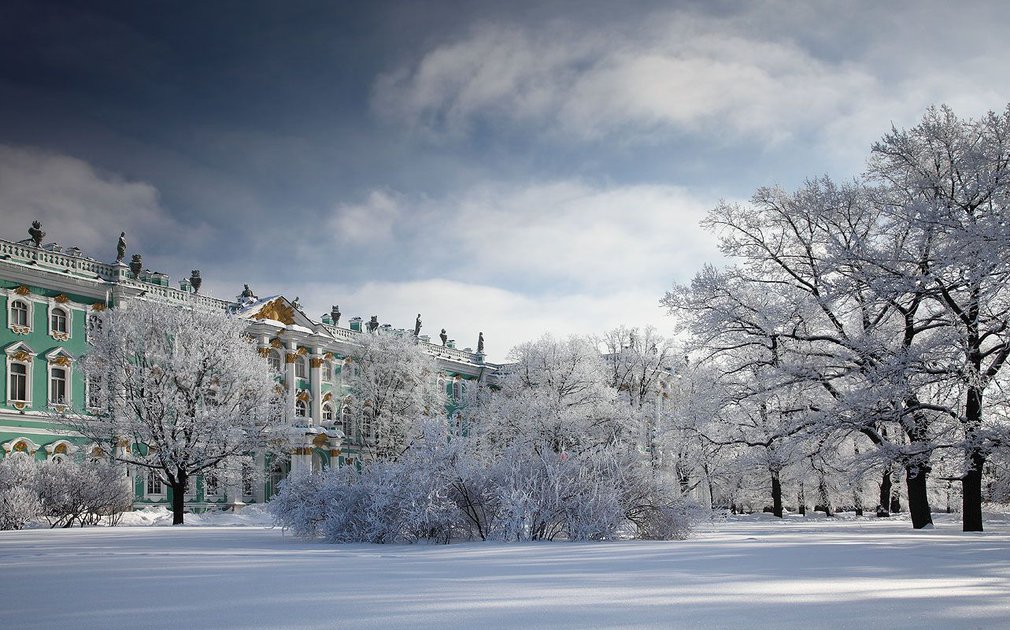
335 314
195 280
480 343
247 292
373 324
444 337
35 231
417 325
121 247
136 265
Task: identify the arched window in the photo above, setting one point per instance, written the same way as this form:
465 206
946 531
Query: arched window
18 385
58 320
457 390
19 313
300 371
327 412
58 385
275 360
327 371
301 409
94 386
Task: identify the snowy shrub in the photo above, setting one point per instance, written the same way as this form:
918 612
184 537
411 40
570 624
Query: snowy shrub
300 504
65 493
18 506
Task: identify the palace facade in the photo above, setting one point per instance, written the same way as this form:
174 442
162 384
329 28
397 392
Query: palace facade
48 294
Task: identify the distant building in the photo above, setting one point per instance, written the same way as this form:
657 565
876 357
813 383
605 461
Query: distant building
47 297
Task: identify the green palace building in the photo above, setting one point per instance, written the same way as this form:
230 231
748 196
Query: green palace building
48 293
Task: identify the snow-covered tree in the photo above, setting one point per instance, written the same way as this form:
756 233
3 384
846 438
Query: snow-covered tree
392 384
949 178
181 391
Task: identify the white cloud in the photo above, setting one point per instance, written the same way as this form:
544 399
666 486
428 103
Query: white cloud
78 205
768 71
372 221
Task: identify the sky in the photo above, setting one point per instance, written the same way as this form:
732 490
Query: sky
512 168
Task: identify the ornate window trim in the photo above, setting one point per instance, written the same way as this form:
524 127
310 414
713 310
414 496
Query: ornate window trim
19 353
20 445
56 308
326 412
60 450
14 298
58 358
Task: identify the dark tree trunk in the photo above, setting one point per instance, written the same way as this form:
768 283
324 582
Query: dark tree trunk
971 494
885 494
178 499
823 497
918 502
895 500
802 500
776 494
971 483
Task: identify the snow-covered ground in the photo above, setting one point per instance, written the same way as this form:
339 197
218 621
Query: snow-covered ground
748 573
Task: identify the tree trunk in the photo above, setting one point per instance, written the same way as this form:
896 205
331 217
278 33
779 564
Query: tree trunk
918 502
895 500
776 494
971 494
885 494
802 500
178 499
971 483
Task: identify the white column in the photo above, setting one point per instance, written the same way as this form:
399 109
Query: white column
290 357
315 386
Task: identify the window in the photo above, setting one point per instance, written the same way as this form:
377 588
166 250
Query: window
94 326
210 485
19 313
18 382
327 371
58 321
327 412
301 409
58 385
457 390
345 421
300 367
94 385
275 361
247 479
366 424
154 484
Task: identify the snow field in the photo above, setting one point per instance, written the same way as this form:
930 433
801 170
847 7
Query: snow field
752 573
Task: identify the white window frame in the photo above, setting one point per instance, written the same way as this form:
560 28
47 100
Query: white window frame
15 298
64 383
153 480
327 408
60 335
210 480
327 373
27 360
52 358
301 367
303 407
275 362
89 389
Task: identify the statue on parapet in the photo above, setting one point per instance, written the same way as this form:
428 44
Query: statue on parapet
35 231
480 343
335 314
417 326
444 337
121 247
373 324
247 293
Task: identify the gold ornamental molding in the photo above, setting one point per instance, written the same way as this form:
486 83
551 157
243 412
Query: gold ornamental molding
303 396
62 360
302 351
290 358
61 336
98 307
276 344
328 396
328 356
23 355
61 298
316 362
276 310
20 330
264 352
22 290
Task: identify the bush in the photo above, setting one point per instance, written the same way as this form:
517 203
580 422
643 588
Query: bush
65 493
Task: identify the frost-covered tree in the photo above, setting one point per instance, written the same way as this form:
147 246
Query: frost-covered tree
182 387
393 383
949 178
